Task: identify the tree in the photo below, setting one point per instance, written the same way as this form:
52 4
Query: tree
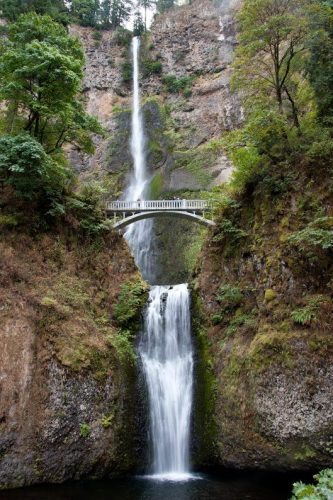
41 68
105 13
146 4
272 39
138 25
85 12
320 64
57 9
120 12
164 5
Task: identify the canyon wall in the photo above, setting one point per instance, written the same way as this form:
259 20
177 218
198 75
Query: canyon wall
68 375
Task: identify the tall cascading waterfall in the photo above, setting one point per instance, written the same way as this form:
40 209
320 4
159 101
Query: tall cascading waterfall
165 347
139 235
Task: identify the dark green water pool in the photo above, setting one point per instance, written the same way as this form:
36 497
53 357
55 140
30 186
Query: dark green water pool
226 486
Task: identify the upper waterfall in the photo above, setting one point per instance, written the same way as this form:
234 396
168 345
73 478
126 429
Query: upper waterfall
139 235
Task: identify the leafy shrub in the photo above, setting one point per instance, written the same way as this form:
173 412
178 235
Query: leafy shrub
308 314
151 68
317 234
122 342
126 71
97 35
25 166
85 430
323 490
87 207
175 85
107 420
123 37
131 300
228 229
229 296
8 220
187 93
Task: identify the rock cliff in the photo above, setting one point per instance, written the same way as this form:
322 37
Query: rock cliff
266 307
67 384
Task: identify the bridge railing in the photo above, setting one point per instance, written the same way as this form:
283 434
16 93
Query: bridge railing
142 205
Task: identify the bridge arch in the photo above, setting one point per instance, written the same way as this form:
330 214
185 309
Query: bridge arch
130 219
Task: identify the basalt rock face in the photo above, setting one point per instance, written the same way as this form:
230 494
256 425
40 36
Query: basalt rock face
195 42
67 407
267 310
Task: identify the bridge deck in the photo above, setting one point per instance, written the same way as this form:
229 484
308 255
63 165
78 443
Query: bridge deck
158 205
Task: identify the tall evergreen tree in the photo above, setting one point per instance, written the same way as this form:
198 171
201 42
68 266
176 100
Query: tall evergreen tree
138 25
105 13
320 65
164 5
85 12
120 12
146 4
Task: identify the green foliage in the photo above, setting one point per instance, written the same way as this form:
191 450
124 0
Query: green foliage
85 12
229 296
280 44
8 221
41 68
309 313
323 490
122 37
57 9
253 148
228 229
126 71
272 38
88 208
97 35
150 67
107 421
318 234
122 342
85 430
25 166
138 24
320 63
131 301
164 5
175 85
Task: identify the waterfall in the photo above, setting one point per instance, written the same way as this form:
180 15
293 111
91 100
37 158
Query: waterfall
165 347
139 235
167 358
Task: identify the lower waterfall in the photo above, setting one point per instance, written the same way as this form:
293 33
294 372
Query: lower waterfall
167 359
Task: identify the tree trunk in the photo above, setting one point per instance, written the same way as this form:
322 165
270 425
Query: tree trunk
294 109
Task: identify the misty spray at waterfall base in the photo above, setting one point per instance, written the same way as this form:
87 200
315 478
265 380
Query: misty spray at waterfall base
165 347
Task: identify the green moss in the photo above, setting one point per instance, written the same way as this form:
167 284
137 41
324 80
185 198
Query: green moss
206 387
270 295
270 347
156 186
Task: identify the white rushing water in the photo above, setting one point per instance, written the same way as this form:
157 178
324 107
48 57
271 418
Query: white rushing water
167 357
165 347
139 235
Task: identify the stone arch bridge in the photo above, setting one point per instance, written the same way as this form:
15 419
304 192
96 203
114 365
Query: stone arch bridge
133 211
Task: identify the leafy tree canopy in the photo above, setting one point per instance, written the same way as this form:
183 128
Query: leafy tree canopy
40 76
